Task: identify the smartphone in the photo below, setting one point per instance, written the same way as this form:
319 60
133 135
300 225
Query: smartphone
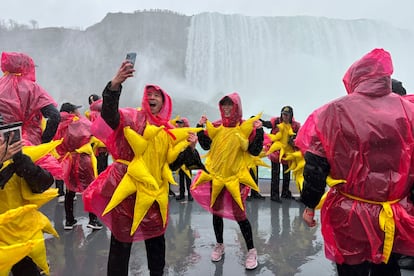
131 58
7 129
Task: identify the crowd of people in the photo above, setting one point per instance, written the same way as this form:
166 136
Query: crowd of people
370 160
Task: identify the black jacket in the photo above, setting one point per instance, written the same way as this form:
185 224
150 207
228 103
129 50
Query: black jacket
315 172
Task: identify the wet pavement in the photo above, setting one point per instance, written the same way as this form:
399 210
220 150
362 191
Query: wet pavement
285 245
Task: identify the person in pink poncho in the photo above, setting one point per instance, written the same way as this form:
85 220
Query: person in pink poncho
95 107
223 191
22 99
77 159
145 148
364 142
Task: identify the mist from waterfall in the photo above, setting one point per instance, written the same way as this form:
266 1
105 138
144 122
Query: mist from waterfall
270 61
277 61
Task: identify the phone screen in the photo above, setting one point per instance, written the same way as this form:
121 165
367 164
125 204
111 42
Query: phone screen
15 138
7 129
131 58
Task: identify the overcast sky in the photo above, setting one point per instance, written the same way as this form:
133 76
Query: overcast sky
84 13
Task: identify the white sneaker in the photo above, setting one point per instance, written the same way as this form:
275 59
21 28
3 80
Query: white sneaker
251 259
218 252
61 199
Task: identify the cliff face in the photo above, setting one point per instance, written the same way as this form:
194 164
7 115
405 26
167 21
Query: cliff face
270 61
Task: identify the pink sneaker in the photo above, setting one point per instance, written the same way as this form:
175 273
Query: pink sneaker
251 259
218 252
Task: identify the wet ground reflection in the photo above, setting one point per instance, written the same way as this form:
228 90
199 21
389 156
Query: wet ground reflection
285 245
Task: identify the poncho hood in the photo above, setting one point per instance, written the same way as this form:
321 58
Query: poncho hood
18 63
236 113
21 97
164 116
371 75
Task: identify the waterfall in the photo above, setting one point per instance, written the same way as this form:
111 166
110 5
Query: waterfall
276 61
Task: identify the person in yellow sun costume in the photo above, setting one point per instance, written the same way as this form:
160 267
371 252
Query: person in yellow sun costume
131 195
232 145
24 187
77 159
283 132
25 184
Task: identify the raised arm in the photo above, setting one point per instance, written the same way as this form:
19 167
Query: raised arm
112 92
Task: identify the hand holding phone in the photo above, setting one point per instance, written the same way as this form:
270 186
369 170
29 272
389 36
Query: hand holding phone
11 133
131 58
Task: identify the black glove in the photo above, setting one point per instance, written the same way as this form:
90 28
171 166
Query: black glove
37 178
193 160
24 165
6 174
190 158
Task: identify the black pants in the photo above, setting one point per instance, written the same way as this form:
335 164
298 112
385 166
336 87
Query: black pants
185 182
26 267
255 177
102 160
275 181
245 228
60 185
369 269
69 196
119 253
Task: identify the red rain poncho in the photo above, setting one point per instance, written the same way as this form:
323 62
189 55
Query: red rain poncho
78 167
97 196
21 97
367 138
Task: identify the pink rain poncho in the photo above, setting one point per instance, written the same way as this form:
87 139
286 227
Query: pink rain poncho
95 110
78 167
97 196
21 97
368 140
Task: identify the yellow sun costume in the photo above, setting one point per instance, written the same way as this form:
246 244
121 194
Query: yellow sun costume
281 140
21 224
131 195
228 163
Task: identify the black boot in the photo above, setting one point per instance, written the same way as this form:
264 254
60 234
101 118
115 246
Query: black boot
256 195
274 183
180 197
276 199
